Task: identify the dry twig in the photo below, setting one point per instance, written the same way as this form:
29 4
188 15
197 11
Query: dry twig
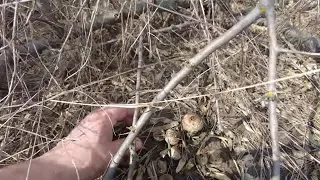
310 54
45 8
136 112
29 49
156 31
13 3
268 6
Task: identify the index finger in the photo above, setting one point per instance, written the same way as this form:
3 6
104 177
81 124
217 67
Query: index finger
115 115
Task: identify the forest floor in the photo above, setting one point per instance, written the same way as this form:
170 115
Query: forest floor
92 67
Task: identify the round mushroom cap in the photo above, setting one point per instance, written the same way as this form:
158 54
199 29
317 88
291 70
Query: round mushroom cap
192 123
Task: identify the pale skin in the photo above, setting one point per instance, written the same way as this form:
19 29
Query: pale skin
84 154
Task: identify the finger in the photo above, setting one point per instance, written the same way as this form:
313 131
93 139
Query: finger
115 115
129 120
115 145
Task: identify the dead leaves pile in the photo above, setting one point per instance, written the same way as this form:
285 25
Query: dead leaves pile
188 148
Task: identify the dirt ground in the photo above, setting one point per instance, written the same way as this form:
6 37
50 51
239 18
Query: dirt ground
94 64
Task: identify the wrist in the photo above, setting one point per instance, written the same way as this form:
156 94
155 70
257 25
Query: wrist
58 167
63 167
71 161
47 167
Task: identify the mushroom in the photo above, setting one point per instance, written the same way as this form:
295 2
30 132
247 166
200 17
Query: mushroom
192 123
164 152
166 177
158 135
172 137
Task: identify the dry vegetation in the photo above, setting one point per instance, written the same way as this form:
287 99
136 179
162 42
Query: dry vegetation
46 95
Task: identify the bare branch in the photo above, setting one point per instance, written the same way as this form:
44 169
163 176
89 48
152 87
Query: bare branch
136 112
185 71
268 6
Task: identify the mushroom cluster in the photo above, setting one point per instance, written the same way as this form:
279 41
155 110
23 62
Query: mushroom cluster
171 134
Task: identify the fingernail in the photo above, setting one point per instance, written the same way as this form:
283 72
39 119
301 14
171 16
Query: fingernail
139 144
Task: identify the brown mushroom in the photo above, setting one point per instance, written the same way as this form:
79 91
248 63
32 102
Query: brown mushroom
192 123
158 135
172 137
166 177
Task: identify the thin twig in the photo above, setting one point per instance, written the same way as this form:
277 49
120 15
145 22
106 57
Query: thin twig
44 6
182 15
156 31
31 105
9 56
132 10
13 55
268 6
133 153
184 72
107 18
13 3
314 55
173 27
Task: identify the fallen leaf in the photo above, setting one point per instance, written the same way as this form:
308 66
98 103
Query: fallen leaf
164 152
181 163
190 164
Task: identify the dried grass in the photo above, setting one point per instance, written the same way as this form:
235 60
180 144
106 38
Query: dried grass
86 70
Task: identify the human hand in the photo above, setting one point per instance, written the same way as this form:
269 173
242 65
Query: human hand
91 151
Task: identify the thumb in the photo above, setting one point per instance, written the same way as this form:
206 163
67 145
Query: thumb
115 145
